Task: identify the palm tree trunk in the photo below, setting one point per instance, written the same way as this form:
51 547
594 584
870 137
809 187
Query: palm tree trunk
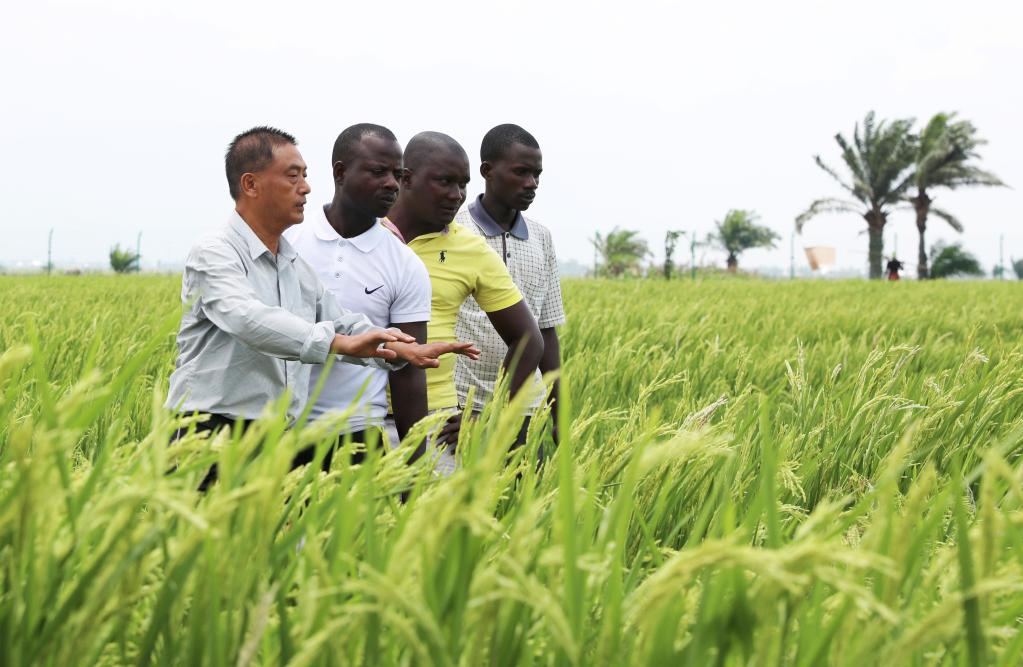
732 262
875 230
922 204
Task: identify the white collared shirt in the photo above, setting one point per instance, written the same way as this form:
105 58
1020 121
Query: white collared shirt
375 274
254 322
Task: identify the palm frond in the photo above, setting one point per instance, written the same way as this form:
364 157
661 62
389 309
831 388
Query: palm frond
889 158
968 175
952 221
834 174
899 191
946 152
934 132
867 138
826 205
859 170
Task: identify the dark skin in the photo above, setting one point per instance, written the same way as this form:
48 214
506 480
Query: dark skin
365 188
511 184
430 196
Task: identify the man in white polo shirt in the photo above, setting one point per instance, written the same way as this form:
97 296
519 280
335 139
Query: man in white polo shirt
369 271
511 167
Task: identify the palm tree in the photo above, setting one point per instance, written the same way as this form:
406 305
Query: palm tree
122 261
739 232
943 156
620 251
953 260
877 161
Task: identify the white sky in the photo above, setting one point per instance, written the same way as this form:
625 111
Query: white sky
651 115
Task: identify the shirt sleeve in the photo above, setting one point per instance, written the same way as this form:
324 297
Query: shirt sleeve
216 279
412 303
553 311
495 289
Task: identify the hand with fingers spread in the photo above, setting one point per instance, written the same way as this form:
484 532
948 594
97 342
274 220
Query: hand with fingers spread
425 355
368 344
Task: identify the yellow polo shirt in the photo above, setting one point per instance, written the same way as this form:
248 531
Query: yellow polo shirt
460 264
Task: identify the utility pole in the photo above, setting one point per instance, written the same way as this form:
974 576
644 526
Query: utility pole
138 253
792 256
49 253
692 255
1001 256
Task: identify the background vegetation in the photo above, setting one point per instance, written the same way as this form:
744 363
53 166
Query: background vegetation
887 166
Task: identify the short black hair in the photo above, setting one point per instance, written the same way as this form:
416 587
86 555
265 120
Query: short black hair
501 138
425 144
252 151
344 145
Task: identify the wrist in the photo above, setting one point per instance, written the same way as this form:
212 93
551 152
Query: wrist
401 349
337 346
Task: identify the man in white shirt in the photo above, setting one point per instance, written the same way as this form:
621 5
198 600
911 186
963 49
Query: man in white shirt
370 271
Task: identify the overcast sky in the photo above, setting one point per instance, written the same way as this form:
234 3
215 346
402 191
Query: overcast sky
651 115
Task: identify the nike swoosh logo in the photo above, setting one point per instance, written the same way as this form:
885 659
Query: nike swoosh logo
370 291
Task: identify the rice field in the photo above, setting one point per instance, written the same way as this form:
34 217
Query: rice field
750 473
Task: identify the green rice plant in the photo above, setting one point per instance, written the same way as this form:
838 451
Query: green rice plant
749 473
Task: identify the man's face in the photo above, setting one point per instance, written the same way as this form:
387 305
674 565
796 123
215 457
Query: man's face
370 180
514 178
436 190
281 188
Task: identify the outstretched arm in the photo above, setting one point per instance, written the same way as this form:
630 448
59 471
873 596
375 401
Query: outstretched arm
215 279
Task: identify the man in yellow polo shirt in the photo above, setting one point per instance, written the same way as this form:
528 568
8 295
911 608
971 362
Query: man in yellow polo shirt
460 264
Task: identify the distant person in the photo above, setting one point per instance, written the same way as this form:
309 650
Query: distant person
368 270
511 168
460 264
893 267
256 313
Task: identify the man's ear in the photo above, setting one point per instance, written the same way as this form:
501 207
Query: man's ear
339 172
485 169
406 176
249 185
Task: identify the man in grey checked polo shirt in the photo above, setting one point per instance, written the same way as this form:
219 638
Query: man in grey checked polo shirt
511 167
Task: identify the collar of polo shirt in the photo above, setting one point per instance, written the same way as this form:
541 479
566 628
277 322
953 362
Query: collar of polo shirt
489 226
365 242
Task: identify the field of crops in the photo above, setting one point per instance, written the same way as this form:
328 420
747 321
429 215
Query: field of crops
752 473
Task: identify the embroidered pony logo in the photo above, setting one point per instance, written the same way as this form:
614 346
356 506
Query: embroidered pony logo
443 257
